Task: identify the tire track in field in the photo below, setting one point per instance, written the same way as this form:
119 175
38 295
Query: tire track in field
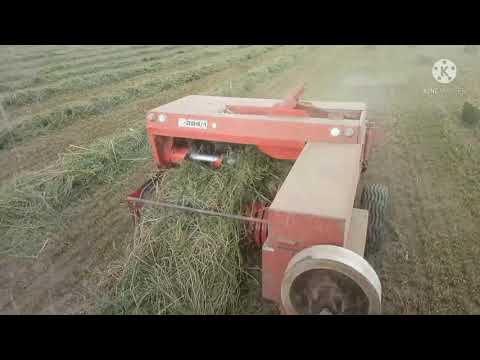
410 180
433 287
399 227
451 241
400 164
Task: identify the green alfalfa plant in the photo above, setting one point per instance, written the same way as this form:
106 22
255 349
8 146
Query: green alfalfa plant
470 114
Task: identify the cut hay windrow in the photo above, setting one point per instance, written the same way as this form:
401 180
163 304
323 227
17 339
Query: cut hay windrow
24 53
44 72
53 63
119 55
178 55
155 60
184 263
30 96
35 52
31 205
57 119
17 69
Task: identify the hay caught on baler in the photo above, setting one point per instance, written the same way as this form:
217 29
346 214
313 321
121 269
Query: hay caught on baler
184 263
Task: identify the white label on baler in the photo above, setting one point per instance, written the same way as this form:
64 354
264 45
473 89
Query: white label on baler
192 123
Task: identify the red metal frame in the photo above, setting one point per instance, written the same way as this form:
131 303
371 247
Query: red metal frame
280 129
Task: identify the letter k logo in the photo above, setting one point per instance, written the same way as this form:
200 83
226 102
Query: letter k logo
444 71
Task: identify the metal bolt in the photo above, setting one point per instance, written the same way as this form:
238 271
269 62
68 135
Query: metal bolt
162 118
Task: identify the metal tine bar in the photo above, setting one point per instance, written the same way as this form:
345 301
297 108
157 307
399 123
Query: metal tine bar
199 211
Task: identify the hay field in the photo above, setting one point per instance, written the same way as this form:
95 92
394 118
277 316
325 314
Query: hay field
72 146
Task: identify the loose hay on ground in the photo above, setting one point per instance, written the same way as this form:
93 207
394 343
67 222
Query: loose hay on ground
31 205
184 263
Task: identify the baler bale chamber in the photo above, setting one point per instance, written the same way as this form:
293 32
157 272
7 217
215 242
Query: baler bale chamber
312 238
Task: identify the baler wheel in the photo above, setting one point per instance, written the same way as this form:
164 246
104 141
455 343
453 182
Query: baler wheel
328 279
375 198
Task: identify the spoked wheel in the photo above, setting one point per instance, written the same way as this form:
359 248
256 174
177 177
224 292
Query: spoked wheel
330 280
375 198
